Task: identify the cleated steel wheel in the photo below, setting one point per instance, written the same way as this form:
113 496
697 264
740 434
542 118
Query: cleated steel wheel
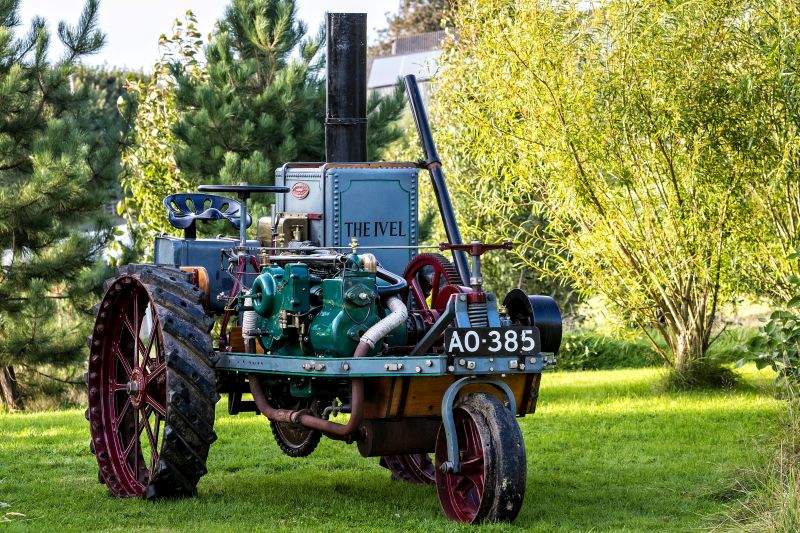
491 484
411 468
152 388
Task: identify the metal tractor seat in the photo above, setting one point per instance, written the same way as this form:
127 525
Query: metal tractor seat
185 209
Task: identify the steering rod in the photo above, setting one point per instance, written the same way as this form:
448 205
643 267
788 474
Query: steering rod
243 191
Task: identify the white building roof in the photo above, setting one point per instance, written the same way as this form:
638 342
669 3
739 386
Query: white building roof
386 70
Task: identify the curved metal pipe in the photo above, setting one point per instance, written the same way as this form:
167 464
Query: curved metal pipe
397 283
330 429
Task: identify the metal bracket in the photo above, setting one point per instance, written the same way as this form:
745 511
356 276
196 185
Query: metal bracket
437 329
345 121
453 463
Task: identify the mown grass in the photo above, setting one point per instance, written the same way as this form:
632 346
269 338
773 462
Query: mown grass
605 451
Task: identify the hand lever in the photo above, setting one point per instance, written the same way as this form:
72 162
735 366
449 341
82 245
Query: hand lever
476 249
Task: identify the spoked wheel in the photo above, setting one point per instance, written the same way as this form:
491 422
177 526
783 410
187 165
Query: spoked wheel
295 440
490 486
412 468
151 386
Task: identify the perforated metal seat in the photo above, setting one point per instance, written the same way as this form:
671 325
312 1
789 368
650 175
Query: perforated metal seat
185 209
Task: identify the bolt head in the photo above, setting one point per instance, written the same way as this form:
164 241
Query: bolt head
418 369
462 362
429 363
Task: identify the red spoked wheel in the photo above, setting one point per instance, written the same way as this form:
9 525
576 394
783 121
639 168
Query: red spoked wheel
431 280
490 485
412 468
151 387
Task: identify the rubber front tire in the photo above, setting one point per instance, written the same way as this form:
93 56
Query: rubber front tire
491 484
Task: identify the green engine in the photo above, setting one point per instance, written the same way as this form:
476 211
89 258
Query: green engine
317 307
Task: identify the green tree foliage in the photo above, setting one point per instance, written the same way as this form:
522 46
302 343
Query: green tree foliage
770 96
627 126
58 165
150 172
262 100
413 17
778 344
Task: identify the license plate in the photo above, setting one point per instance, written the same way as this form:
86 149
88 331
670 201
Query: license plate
522 340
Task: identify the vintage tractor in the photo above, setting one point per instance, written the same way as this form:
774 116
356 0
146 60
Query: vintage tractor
330 318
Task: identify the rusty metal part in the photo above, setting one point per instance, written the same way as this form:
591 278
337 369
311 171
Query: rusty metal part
328 428
398 436
200 280
476 248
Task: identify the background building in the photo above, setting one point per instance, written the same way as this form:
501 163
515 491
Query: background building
414 54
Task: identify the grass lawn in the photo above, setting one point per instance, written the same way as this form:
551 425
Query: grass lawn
604 452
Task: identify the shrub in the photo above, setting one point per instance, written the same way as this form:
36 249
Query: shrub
590 350
769 499
705 373
587 350
778 345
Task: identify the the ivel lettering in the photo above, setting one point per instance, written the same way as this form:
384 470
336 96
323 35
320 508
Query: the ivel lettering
375 228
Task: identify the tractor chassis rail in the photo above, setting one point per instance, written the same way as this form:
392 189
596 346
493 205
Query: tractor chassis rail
364 367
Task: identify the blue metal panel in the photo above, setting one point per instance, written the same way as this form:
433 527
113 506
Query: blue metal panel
377 206
306 195
207 253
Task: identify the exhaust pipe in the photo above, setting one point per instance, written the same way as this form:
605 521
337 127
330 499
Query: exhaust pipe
346 102
434 166
398 315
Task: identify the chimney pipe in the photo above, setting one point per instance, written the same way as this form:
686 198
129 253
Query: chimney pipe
346 104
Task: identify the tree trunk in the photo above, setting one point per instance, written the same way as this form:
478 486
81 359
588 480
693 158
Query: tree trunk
689 347
9 391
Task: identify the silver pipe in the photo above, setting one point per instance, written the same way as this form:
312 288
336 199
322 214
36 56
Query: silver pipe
397 316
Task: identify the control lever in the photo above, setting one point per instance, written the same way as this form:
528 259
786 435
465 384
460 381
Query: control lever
243 191
476 249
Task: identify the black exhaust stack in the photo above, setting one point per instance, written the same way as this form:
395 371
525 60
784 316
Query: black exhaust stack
346 106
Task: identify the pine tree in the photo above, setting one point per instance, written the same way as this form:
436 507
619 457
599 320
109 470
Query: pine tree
59 158
262 101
